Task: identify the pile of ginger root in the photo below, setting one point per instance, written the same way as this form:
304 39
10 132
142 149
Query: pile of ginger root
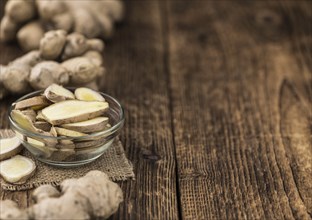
93 196
28 20
65 59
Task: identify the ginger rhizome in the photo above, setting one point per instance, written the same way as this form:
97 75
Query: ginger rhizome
65 59
28 20
93 196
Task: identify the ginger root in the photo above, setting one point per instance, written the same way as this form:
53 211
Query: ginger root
46 73
51 45
10 210
61 59
90 18
29 36
14 77
17 13
90 197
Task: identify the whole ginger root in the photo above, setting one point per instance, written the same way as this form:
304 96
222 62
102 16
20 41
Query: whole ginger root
65 59
93 196
92 19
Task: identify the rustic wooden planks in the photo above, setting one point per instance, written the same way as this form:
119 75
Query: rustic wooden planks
218 104
135 75
241 97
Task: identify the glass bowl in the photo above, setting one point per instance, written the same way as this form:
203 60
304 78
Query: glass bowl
71 151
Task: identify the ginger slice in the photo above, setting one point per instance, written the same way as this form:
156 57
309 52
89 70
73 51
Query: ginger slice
17 170
9 147
26 123
87 94
92 125
35 103
30 113
40 149
39 116
57 93
70 111
68 133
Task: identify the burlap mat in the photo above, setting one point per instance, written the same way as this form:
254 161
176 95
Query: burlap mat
113 162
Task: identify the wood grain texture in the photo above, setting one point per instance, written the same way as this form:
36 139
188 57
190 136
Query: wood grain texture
218 108
241 92
135 76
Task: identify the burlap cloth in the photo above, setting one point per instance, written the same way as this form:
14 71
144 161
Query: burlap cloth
113 162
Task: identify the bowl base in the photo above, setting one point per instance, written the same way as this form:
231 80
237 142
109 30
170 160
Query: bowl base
69 164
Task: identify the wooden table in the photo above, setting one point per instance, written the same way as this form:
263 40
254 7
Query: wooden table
218 109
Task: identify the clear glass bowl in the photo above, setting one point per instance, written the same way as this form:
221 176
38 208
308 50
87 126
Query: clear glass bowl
71 151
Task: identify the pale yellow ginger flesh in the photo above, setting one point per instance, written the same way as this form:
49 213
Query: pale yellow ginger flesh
9 147
35 142
57 93
68 133
40 148
87 94
17 169
92 125
23 121
73 111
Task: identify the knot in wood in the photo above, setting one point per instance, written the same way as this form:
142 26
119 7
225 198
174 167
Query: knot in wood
268 18
149 155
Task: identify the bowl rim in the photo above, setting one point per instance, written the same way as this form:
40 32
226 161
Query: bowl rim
107 132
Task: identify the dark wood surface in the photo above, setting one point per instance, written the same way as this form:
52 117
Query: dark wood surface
218 108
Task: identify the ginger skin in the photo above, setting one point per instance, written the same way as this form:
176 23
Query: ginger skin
77 44
39 69
92 19
14 77
46 73
17 12
90 197
51 45
29 36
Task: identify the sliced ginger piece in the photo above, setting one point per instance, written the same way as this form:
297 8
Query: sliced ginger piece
71 111
39 116
17 170
35 142
9 147
57 93
68 133
92 125
25 122
86 94
36 103
40 148
30 113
